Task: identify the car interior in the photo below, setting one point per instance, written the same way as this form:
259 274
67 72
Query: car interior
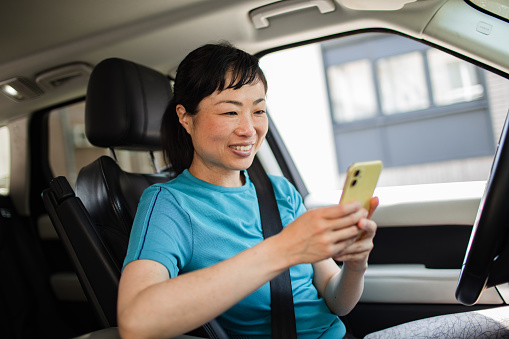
83 86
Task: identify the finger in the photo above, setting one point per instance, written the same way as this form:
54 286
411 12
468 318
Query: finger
340 247
352 219
360 246
346 235
360 257
373 204
346 227
338 211
351 254
367 229
359 250
368 226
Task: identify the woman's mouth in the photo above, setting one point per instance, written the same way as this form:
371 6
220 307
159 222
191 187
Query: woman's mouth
242 148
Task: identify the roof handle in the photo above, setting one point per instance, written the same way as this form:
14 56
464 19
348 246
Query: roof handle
259 16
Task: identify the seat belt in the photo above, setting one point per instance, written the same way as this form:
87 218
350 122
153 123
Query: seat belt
281 296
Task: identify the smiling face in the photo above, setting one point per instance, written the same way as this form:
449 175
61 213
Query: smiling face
227 131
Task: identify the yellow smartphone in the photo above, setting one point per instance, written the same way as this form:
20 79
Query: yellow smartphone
360 183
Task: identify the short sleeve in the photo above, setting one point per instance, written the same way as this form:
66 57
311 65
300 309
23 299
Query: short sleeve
289 200
161 231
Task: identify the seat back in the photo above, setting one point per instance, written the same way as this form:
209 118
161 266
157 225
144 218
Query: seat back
124 107
111 195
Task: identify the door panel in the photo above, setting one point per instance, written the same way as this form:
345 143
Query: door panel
423 232
28 307
416 284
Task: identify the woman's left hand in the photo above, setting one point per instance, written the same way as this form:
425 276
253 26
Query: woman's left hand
355 256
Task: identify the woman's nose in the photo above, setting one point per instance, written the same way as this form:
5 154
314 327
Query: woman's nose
246 126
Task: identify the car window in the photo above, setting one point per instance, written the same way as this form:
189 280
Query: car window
69 149
429 116
496 7
5 160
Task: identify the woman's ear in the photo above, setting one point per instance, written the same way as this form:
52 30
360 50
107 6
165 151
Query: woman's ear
185 118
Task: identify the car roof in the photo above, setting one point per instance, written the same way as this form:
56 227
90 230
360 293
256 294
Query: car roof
41 38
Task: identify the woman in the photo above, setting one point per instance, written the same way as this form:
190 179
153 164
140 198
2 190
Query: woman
197 251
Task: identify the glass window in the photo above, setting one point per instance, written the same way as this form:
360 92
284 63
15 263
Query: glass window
430 117
403 83
352 91
499 8
453 80
70 150
5 160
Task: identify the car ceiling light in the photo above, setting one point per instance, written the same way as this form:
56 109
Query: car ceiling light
19 89
9 90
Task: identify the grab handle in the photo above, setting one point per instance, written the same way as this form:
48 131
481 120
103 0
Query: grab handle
260 15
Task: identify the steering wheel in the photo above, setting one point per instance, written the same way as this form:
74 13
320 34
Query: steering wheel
486 261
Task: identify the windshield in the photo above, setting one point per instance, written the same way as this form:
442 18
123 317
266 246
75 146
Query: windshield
499 8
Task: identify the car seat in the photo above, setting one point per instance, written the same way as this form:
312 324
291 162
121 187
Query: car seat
124 107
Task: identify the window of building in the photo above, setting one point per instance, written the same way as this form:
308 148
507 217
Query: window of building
353 95
402 81
5 160
453 80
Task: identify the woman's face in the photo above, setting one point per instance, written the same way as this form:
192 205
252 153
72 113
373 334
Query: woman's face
227 131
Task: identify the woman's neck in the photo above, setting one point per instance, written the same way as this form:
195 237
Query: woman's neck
226 178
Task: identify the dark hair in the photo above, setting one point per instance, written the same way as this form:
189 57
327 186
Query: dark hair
201 73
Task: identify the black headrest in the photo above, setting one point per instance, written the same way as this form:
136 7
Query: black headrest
125 104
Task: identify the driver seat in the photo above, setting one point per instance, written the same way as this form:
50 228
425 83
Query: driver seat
124 107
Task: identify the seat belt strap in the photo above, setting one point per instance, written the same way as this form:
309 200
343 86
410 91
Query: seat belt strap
281 306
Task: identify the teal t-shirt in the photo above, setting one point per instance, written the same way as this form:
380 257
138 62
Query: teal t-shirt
187 224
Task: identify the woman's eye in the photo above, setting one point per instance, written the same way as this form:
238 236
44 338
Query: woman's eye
260 112
230 113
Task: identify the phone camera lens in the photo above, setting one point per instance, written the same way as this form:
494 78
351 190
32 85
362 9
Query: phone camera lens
353 183
357 172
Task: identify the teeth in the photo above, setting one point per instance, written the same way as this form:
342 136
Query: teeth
242 148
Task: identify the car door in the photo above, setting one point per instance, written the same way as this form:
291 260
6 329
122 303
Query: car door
15 302
434 121
28 305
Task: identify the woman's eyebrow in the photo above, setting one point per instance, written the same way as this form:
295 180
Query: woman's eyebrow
234 102
238 103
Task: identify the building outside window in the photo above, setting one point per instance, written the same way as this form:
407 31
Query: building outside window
386 92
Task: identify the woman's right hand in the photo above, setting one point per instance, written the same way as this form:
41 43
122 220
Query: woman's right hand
322 233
